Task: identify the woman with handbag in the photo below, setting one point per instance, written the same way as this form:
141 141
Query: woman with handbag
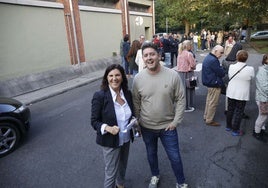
186 65
261 99
238 92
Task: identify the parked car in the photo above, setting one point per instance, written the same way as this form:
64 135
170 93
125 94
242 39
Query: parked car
260 35
14 124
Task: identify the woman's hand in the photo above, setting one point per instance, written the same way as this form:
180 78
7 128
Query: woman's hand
112 129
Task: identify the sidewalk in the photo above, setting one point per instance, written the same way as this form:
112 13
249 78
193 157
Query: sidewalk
44 93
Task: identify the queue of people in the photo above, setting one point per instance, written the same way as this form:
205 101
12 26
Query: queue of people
117 110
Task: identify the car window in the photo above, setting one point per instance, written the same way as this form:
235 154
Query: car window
6 108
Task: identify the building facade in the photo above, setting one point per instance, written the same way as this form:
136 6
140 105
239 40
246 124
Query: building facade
37 36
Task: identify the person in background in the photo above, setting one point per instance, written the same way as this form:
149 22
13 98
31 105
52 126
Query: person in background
142 39
261 96
213 39
230 59
112 110
173 49
139 61
167 49
154 108
195 41
156 40
186 65
184 37
212 74
219 40
131 56
126 47
237 97
208 40
203 39
229 45
122 52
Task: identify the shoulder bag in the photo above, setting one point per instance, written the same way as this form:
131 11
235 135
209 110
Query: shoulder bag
223 87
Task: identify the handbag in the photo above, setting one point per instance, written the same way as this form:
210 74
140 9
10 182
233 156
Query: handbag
224 86
223 89
191 82
264 108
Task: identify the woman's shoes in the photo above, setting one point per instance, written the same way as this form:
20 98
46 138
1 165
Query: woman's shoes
237 133
259 136
263 133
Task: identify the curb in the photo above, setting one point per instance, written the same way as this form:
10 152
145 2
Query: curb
44 93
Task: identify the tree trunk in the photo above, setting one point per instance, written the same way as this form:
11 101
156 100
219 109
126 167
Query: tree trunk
187 27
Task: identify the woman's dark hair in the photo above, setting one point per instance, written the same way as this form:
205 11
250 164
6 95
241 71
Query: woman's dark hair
265 57
105 84
133 50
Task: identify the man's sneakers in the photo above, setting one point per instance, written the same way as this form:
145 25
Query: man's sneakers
154 182
189 109
184 185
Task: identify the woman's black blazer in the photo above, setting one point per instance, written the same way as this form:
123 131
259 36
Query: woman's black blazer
102 111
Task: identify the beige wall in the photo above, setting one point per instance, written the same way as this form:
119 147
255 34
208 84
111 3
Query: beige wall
102 33
32 39
33 36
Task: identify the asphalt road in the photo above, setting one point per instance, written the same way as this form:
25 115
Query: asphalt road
60 149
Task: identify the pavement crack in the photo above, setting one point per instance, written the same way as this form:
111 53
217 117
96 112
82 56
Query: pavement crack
219 158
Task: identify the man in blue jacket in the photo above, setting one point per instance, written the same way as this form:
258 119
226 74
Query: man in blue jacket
212 74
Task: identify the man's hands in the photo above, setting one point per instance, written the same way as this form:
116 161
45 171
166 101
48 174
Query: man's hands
171 127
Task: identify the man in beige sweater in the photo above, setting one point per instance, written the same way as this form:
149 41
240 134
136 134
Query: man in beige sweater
159 103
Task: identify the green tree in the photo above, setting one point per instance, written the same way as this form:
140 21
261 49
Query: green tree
213 14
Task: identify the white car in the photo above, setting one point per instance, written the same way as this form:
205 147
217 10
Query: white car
260 35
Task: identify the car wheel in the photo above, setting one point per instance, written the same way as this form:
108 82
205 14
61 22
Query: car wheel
9 138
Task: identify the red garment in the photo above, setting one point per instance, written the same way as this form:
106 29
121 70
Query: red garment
158 42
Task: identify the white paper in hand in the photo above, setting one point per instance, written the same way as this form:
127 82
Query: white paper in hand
130 125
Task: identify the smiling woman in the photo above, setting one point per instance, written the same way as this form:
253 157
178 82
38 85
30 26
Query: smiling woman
115 79
112 110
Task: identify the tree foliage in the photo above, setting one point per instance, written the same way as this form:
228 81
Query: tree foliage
215 14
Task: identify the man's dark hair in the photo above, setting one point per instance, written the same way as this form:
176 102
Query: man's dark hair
149 45
126 38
